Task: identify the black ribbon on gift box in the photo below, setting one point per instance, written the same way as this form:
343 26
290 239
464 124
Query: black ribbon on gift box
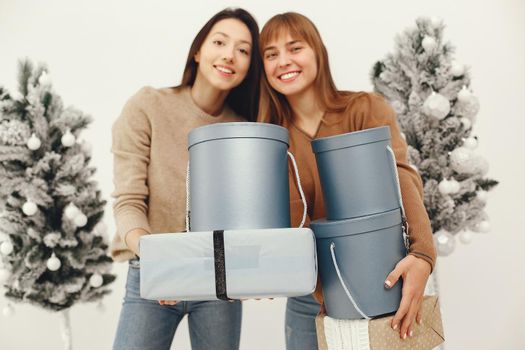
220 265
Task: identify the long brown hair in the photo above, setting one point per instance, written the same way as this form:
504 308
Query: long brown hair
244 98
273 106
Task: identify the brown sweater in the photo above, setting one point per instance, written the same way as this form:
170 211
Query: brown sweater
364 111
150 158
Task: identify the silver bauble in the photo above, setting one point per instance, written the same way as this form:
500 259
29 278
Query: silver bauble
29 208
436 106
80 220
429 44
445 242
457 69
6 248
34 143
53 263
470 143
465 237
482 196
71 211
96 280
68 139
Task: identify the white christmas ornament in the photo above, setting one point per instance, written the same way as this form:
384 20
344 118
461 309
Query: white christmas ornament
444 186
482 227
53 263
33 143
80 220
449 186
96 280
71 211
464 94
445 242
470 143
465 161
457 69
454 186
436 106
435 21
29 208
86 147
468 107
4 276
6 248
44 79
429 44
460 156
101 229
466 122
482 196
465 237
68 139
8 310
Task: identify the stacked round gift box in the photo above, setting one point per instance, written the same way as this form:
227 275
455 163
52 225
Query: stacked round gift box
361 239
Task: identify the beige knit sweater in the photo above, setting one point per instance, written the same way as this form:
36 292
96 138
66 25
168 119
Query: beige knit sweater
150 158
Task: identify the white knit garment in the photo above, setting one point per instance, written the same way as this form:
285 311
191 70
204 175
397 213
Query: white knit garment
346 334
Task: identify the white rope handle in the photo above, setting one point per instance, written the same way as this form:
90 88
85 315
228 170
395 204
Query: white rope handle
188 197
300 189
398 188
348 294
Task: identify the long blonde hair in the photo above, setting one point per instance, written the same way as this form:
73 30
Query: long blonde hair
273 106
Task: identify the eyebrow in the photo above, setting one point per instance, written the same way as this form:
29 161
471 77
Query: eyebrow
290 43
227 36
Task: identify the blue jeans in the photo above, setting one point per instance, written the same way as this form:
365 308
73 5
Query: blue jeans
145 324
300 323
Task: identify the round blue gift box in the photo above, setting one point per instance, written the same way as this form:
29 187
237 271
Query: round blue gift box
238 177
357 173
366 250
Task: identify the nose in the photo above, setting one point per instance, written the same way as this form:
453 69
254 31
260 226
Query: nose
284 60
228 54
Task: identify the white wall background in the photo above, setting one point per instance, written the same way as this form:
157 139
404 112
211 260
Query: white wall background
101 52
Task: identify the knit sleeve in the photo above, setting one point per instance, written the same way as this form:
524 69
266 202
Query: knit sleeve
375 112
131 138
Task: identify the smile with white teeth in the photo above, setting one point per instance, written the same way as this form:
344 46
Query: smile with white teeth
224 70
288 76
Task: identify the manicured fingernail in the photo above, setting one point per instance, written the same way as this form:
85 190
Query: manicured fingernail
395 327
419 321
387 284
411 333
404 336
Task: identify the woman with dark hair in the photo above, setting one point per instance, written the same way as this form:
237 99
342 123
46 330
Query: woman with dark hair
220 84
298 92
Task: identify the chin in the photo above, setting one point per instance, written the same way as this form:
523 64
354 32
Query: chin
288 91
225 86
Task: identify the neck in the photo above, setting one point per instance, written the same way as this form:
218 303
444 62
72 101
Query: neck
305 106
208 98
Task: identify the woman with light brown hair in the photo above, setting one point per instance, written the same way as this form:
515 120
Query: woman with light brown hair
298 92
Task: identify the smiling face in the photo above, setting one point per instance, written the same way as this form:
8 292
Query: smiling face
290 65
224 57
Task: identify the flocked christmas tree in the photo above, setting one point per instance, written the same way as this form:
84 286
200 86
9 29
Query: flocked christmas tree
53 245
436 109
